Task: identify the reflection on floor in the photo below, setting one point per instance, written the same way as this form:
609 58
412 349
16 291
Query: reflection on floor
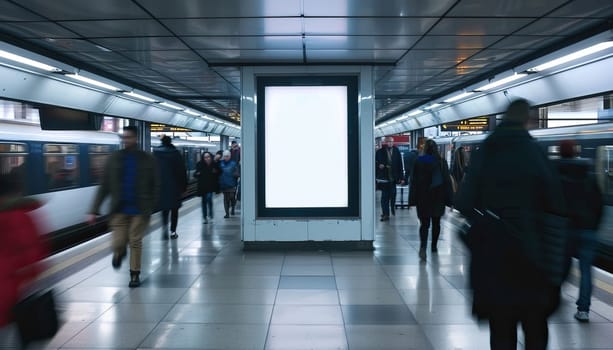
203 292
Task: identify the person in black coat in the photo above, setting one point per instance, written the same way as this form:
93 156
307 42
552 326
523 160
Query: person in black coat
511 177
430 192
173 183
585 207
388 168
207 173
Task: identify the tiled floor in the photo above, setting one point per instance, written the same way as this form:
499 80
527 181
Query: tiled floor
203 292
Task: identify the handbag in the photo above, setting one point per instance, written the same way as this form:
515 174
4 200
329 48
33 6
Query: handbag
36 317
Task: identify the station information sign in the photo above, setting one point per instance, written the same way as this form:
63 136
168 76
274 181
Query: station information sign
473 124
167 128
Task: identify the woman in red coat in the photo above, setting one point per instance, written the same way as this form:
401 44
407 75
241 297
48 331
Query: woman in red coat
20 245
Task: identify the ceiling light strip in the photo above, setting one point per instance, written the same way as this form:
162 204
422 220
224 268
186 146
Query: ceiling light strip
573 56
93 82
27 61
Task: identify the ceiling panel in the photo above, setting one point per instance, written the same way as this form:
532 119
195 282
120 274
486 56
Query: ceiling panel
558 26
525 42
515 8
497 54
350 56
478 26
99 56
147 57
11 12
459 42
235 27
228 8
244 42
344 8
81 10
36 30
365 42
141 43
423 59
586 8
67 44
117 28
243 56
367 26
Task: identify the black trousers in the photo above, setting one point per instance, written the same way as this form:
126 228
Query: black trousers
503 329
174 218
424 227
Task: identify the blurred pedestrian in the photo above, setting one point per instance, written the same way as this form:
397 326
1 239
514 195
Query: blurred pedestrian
430 192
207 173
173 184
131 180
21 247
458 167
513 184
388 167
230 172
235 151
585 207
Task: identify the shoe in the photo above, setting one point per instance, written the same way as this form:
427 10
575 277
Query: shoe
583 316
422 254
174 235
205 221
385 218
393 210
226 216
134 279
117 259
232 212
434 249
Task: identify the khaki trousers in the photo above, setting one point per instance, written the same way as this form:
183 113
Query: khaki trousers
129 229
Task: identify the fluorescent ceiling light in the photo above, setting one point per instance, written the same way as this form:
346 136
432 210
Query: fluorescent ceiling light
573 56
190 112
93 82
207 118
415 112
458 97
402 118
27 61
140 97
433 106
501 82
166 104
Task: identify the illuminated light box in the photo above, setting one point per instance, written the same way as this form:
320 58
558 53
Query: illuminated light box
307 159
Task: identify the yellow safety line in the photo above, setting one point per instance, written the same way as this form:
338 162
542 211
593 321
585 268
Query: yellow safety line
598 283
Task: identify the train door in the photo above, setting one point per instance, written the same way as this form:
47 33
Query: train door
604 170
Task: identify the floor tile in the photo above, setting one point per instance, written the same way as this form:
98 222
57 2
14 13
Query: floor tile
364 282
458 337
377 315
370 297
310 270
309 314
388 337
580 336
154 295
237 282
205 336
442 314
81 312
168 281
307 282
143 313
433 296
219 313
111 335
305 337
307 297
95 294
229 296
422 281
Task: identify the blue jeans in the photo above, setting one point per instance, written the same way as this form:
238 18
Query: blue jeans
207 201
388 191
586 246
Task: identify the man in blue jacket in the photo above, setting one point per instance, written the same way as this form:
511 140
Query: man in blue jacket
388 165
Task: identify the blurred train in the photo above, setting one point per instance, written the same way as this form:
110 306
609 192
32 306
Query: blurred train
63 169
594 142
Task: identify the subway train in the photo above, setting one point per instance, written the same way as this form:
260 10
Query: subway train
594 141
63 170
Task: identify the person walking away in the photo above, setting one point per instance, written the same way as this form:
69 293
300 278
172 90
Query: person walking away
430 192
511 177
388 167
207 173
230 172
131 180
458 167
21 247
173 183
585 207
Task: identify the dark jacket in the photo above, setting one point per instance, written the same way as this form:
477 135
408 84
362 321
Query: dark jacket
395 164
208 177
430 187
173 177
409 164
230 172
582 194
512 177
20 249
147 184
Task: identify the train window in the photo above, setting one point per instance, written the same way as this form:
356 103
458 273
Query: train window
13 159
98 155
604 169
61 165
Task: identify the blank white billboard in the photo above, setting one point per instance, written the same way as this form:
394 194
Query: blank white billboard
306 147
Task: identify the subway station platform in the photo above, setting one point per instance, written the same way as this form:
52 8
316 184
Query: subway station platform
203 291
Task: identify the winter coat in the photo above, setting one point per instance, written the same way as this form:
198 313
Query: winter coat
430 189
582 194
513 178
20 249
230 172
208 177
173 177
395 164
147 182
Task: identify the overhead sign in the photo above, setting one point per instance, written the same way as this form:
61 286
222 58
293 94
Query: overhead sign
474 124
167 128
